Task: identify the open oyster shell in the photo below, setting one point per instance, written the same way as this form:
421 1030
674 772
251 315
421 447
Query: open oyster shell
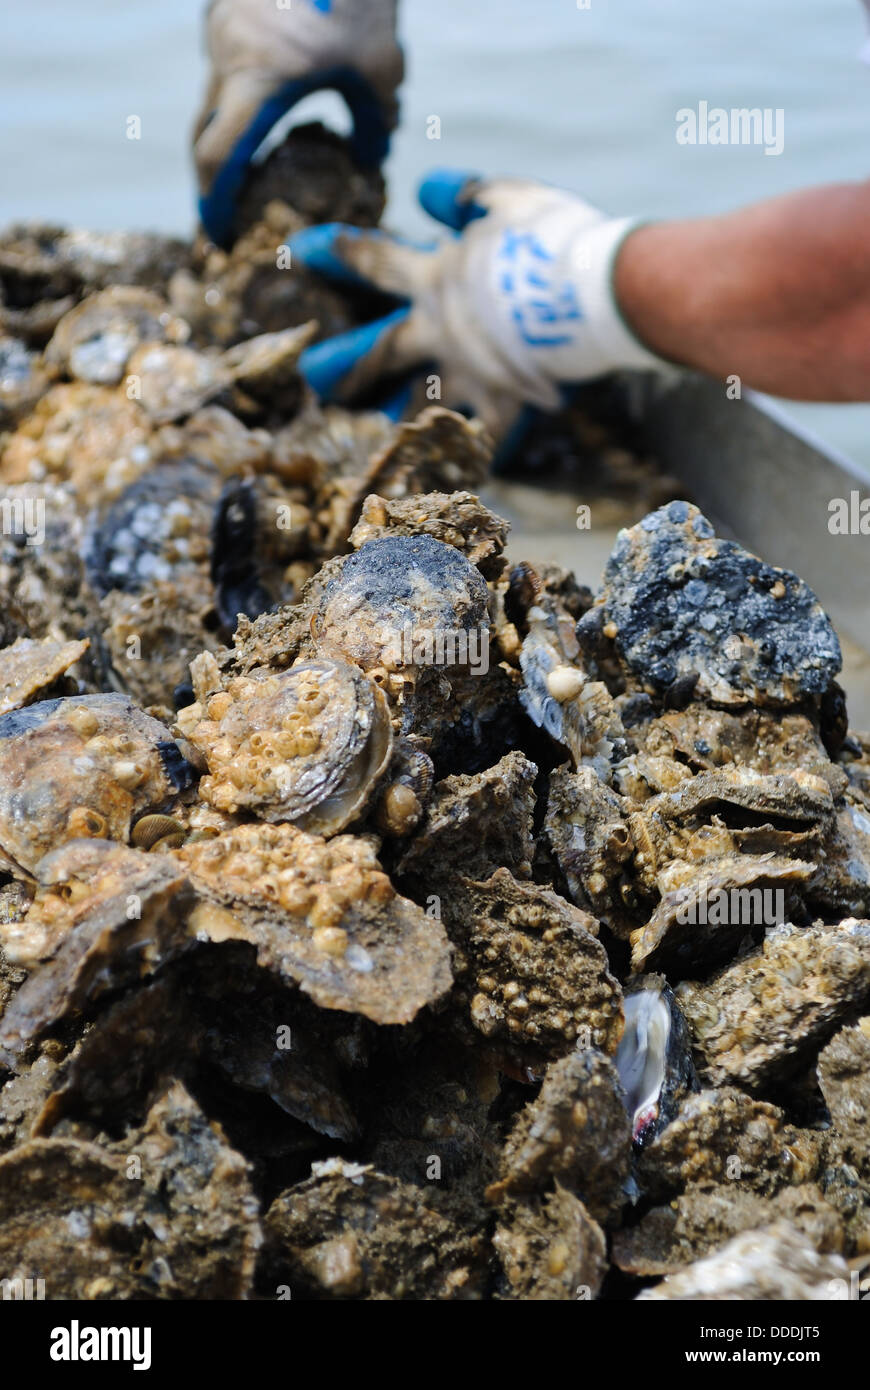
653 1058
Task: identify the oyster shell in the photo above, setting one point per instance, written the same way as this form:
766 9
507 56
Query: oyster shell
104 916
558 695
440 451
23 379
45 269
188 1228
577 1133
388 596
588 832
703 919
775 1262
703 1219
705 739
457 518
683 604
155 531
758 1018
80 766
94 341
474 826
531 970
29 667
726 1135
550 1248
350 1232
844 1077
314 172
306 745
322 914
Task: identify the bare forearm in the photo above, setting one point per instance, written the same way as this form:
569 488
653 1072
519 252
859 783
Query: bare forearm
777 293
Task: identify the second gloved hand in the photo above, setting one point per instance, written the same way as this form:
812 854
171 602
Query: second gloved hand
265 57
516 306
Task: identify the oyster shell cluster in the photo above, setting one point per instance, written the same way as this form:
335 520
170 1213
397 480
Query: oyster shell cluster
415 923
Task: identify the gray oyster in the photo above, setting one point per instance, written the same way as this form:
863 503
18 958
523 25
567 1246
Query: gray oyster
396 597
588 831
681 605
844 1077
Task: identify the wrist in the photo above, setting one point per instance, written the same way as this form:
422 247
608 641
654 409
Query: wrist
598 256
643 291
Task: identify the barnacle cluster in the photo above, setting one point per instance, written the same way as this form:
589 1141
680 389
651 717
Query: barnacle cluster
425 925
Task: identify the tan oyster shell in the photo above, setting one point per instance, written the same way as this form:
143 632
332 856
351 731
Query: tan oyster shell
82 765
94 341
321 913
307 745
104 916
757 1017
29 666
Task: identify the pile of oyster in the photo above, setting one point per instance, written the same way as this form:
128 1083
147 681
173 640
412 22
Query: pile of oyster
381 918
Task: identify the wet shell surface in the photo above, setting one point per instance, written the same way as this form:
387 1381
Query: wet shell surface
28 667
321 913
653 1058
80 766
306 746
681 603
393 592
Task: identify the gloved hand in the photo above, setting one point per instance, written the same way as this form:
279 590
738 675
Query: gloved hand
264 59
516 306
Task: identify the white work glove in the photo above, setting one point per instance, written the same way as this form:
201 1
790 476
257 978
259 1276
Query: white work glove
266 57
517 306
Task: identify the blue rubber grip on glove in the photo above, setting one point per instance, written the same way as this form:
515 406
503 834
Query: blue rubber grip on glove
370 142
